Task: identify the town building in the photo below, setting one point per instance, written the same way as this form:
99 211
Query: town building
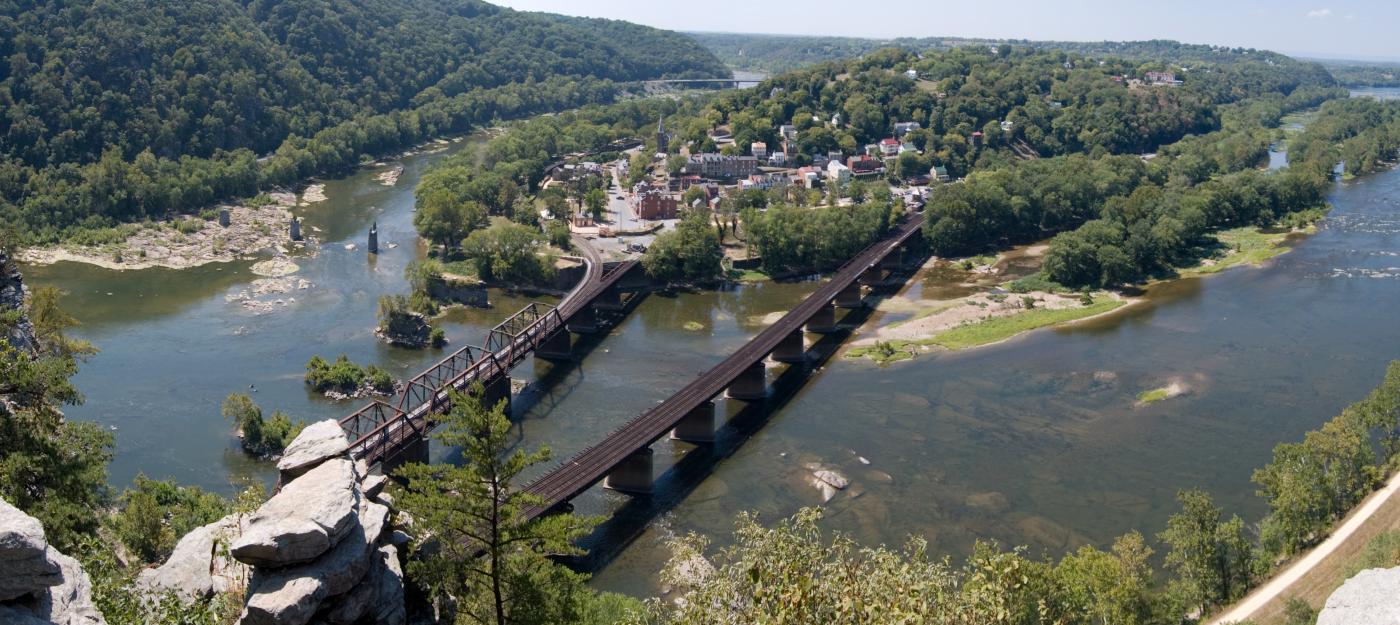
719 166
976 139
788 132
911 74
649 202
1162 78
837 172
865 166
889 146
778 159
759 149
809 176
939 173
903 128
1007 126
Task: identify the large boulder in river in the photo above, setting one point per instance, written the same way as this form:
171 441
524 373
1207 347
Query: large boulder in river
292 595
308 517
25 567
37 583
1372 597
315 444
199 568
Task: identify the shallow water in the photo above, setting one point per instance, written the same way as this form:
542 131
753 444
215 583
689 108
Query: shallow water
1036 441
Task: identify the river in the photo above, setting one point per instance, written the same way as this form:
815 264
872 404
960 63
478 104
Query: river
1036 441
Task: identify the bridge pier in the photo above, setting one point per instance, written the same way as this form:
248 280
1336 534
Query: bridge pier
823 321
497 392
697 426
792 349
893 260
415 450
585 321
850 297
559 346
872 276
752 383
633 474
609 299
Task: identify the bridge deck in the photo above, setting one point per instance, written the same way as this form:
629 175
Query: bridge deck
379 430
591 465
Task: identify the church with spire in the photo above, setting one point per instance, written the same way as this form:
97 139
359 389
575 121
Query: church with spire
663 140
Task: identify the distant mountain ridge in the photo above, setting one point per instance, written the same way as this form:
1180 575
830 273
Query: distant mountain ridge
188 77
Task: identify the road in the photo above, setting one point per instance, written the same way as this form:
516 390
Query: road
1282 584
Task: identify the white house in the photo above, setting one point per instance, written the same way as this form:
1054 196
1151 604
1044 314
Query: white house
838 172
777 159
759 149
911 74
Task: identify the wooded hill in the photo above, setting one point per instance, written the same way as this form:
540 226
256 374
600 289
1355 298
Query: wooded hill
203 78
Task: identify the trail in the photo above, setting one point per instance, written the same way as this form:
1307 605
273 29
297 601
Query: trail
1285 580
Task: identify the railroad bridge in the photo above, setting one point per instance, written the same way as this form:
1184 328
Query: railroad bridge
392 433
623 459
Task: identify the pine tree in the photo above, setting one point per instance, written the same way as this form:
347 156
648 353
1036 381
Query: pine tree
490 560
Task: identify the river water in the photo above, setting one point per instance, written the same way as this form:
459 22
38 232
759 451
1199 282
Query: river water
1036 441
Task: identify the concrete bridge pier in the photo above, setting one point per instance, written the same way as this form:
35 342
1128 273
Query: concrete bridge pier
850 297
609 299
872 276
697 426
823 321
751 385
792 349
559 346
633 474
585 321
893 260
496 392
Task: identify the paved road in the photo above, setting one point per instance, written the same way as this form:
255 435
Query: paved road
1281 583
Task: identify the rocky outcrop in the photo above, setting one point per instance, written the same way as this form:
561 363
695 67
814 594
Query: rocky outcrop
316 443
309 516
200 566
1371 597
37 583
406 329
21 335
321 550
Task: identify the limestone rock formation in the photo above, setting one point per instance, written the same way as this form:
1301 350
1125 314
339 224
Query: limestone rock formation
316 443
37 583
320 551
199 567
1372 597
310 515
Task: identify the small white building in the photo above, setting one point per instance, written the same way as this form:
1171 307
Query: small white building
778 159
911 74
838 172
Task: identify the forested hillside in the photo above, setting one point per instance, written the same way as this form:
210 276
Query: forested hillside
145 87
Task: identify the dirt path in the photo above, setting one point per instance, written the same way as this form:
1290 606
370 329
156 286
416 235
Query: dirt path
1316 574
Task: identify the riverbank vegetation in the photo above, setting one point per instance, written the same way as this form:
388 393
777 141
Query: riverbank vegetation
172 106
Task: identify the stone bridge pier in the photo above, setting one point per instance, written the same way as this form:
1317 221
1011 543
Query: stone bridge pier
497 392
850 297
559 346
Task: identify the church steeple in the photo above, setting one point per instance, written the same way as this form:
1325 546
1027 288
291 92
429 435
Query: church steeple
663 141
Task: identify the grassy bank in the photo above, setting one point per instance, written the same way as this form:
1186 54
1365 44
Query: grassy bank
1246 245
983 331
997 329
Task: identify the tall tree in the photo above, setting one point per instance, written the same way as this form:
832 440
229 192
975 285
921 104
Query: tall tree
491 560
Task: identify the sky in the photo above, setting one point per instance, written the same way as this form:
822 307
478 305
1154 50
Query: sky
1357 29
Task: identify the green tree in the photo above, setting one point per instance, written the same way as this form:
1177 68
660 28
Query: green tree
445 220
490 559
1212 559
690 252
596 200
1109 588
